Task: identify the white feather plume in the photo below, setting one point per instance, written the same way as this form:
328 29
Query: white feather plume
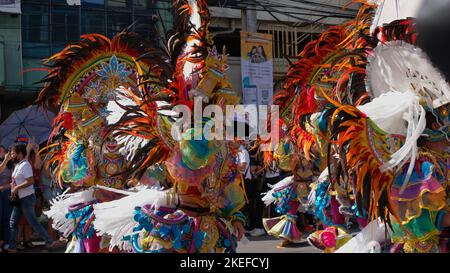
368 240
401 67
268 197
116 218
312 198
399 113
60 207
374 247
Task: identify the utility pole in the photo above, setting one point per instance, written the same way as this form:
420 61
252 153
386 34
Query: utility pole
249 24
249 19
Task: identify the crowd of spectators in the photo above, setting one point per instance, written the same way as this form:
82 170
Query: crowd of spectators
26 189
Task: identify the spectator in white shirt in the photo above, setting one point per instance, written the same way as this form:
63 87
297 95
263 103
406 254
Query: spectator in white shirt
244 162
254 208
22 188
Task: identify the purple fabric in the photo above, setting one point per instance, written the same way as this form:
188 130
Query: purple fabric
413 191
92 245
289 229
443 246
362 222
338 218
79 206
151 212
293 204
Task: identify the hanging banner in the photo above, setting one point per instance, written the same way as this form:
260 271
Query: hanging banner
10 6
74 2
257 68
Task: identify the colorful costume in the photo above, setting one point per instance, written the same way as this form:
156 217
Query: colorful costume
358 98
196 210
84 82
331 66
291 197
288 195
116 99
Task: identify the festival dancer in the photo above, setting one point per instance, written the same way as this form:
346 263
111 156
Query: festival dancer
291 198
198 209
323 70
397 179
338 99
83 85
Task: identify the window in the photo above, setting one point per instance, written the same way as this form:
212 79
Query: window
48 26
93 3
35 23
117 22
35 31
119 3
93 17
164 8
36 39
231 41
143 24
60 2
38 2
143 4
93 22
288 41
65 27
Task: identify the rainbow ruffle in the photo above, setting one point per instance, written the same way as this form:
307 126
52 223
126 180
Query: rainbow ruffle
283 227
418 207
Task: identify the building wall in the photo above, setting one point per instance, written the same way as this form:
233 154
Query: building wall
234 74
219 9
49 25
46 26
10 63
10 52
288 37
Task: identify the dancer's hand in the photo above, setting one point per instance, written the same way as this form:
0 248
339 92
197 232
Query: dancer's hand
186 202
238 229
192 201
132 182
107 196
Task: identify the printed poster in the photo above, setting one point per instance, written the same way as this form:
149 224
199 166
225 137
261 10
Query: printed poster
257 68
10 6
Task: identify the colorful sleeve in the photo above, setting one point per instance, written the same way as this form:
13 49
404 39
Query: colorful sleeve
234 201
439 218
238 216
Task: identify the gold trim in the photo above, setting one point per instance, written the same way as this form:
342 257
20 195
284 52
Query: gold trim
410 240
420 195
409 219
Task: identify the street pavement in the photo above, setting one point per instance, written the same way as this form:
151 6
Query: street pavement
262 244
39 247
268 244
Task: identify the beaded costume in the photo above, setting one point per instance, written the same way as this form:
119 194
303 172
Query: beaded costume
198 207
117 103
360 97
